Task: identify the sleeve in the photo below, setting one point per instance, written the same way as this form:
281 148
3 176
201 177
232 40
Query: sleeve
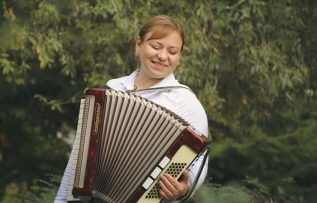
194 169
198 119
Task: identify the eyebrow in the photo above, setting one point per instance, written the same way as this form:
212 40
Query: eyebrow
173 47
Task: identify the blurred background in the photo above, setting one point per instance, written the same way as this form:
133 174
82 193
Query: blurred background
252 63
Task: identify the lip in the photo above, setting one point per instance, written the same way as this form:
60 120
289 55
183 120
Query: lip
159 63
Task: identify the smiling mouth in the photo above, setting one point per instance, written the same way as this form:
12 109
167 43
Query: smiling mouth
159 64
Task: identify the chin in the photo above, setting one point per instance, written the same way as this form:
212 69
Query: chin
159 75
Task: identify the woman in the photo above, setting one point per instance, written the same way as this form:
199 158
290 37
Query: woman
158 47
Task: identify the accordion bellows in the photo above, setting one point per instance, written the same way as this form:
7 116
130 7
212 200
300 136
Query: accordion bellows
124 142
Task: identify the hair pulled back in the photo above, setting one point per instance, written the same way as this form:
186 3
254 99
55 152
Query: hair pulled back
160 26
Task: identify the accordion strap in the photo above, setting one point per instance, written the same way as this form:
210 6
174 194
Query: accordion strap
157 88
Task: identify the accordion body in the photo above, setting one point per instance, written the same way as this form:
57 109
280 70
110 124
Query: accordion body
124 142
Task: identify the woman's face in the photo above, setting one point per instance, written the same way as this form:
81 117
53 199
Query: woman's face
159 57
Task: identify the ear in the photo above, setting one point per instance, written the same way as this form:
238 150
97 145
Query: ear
138 44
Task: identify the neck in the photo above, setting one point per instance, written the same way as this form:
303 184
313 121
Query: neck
143 82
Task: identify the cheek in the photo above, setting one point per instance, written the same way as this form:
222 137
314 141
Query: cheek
148 52
175 60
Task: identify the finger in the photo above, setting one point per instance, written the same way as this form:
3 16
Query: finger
165 192
177 188
185 177
170 181
164 195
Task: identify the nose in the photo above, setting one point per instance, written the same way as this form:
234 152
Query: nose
162 55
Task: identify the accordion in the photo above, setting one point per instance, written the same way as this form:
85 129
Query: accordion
124 142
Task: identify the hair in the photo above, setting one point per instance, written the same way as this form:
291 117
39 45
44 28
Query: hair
161 26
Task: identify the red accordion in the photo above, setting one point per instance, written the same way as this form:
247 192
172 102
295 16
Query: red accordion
124 142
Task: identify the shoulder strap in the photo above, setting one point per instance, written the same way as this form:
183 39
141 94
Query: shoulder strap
160 89
157 88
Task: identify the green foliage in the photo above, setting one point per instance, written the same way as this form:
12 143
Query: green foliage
251 63
281 161
212 193
222 194
41 191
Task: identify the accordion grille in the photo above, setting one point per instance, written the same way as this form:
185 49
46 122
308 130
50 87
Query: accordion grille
136 134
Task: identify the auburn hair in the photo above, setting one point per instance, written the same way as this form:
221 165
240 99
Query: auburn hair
160 26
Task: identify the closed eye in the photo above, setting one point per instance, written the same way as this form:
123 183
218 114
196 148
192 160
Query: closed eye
155 45
173 51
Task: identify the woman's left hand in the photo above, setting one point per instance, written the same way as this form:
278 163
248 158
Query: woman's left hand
170 188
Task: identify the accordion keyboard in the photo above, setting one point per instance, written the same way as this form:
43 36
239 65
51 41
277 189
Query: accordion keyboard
81 142
83 131
74 154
